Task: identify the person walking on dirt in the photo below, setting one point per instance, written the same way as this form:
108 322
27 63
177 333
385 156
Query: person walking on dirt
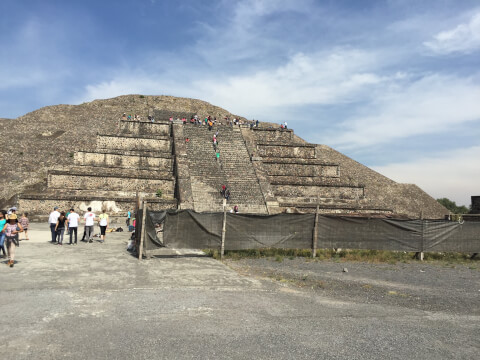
52 220
25 224
3 221
103 222
11 229
129 216
60 228
89 218
72 225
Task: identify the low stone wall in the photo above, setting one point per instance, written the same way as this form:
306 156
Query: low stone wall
278 135
67 181
133 143
119 160
144 127
339 192
301 170
284 151
114 207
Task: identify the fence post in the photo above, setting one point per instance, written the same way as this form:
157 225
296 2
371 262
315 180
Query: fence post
224 228
315 234
142 233
419 255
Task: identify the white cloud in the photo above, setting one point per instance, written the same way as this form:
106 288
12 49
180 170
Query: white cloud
452 174
432 104
317 78
464 38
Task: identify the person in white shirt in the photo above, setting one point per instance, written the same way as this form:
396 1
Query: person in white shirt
52 220
72 225
89 218
103 222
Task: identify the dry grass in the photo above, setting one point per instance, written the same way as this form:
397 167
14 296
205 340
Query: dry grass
370 256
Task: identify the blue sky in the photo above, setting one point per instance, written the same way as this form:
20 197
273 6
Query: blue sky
393 84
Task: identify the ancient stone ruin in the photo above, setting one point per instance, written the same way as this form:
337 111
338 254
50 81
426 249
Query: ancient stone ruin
267 169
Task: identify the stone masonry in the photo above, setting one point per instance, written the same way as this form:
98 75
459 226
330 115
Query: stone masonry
268 170
137 160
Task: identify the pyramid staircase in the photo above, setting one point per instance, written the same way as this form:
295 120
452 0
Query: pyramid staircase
234 169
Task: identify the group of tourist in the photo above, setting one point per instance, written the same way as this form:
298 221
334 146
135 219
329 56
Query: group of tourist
68 221
10 227
207 121
225 192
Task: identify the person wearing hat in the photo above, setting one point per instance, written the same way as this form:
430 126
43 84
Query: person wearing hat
52 220
11 229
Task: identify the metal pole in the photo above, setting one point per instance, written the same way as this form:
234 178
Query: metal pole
142 233
224 228
315 234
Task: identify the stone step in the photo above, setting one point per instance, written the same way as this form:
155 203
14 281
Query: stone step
235 169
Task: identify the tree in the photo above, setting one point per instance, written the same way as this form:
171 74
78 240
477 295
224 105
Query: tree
452 206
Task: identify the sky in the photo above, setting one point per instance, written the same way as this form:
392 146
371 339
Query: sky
393 84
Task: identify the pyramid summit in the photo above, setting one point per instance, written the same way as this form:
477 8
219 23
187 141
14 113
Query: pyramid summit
95 154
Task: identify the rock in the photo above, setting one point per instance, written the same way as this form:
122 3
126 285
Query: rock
345 270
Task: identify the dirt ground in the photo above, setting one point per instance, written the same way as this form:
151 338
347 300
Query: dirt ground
97 301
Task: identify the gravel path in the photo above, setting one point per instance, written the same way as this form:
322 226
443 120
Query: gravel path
96 301
426 286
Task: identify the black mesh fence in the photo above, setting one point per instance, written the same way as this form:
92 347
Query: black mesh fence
282 231
188 229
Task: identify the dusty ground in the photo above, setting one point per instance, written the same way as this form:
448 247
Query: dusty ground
96 301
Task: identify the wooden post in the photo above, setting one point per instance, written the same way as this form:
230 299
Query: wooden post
142 233
315 234
224 228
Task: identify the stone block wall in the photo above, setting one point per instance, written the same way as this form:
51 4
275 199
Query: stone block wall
283 169
133 143
335 192
273 135
282 151
75 181
144 127
113 206
85 158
